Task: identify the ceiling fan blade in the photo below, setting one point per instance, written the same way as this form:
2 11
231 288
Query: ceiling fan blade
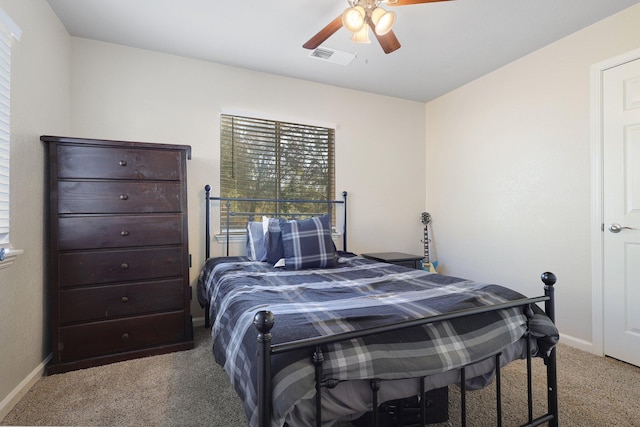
324 34
389 42
409 2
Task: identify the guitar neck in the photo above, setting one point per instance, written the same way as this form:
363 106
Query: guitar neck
426 245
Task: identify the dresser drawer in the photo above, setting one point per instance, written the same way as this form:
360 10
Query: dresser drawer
118 197
86 268
118 231
115 336
109 302
118 163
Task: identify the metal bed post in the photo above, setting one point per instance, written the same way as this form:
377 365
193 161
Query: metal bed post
549 279
375 387
207 194
318 358
423 403
207 243
228 205
498 391
263 322
529 314
344 218
463 396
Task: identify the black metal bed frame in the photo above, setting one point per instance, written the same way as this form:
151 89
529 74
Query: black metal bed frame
264 321
207 191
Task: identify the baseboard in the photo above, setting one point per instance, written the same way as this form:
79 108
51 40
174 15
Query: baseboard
198 321
18 393
580 344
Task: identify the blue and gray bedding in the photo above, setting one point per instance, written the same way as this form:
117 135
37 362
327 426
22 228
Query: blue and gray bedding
355 294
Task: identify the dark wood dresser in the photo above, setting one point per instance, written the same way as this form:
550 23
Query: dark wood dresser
118 251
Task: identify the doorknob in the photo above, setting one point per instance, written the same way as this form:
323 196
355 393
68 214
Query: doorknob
616 228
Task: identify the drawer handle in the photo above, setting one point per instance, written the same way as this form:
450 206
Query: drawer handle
122 163
125 337
124 233
124 266
124 299
124 196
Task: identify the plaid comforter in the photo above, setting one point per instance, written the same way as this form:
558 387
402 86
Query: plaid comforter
358 293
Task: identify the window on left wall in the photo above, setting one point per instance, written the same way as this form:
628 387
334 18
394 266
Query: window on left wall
9 31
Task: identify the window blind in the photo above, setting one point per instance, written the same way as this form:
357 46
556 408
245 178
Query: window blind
5 130
263 159
8 28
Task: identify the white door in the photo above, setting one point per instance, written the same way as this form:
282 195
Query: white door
621 178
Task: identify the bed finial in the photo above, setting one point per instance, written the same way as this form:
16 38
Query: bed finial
263 321
548 278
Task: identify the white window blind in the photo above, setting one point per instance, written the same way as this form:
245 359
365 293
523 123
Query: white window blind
268 159
8 28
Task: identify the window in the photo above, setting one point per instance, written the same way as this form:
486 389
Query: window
263 159
8 28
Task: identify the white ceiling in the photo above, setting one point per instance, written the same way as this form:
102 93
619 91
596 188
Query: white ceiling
444 45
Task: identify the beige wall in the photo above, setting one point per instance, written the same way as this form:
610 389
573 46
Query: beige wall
509 179
124 93
507 159
40 100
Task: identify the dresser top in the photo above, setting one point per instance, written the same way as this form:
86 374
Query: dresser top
113 143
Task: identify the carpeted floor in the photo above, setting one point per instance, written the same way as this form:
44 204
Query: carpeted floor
189 389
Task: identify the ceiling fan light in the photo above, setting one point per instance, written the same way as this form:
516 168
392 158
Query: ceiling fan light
382 20
361 36
353 18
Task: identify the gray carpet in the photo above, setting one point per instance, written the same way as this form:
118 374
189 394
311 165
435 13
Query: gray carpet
189 389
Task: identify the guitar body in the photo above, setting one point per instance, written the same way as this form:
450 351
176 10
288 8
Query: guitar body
426 263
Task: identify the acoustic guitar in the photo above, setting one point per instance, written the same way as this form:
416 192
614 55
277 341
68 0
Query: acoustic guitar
426 263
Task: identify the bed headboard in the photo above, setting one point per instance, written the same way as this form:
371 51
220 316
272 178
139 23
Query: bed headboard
249 215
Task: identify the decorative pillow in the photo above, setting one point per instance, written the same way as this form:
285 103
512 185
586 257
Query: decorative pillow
273 241
256 249
308 243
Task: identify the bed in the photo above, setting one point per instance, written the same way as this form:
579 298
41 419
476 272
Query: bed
330 335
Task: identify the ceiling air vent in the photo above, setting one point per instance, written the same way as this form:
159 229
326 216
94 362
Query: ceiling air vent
331 55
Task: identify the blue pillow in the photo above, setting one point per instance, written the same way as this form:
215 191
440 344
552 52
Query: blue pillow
256 249
308 243
273 241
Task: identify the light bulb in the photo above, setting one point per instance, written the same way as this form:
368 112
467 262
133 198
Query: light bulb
382 20
353 18
361 36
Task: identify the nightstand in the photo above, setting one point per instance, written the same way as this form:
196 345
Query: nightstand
397 258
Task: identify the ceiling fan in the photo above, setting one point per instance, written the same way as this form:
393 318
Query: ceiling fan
362 15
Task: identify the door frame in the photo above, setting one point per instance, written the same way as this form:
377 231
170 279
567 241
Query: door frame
597 197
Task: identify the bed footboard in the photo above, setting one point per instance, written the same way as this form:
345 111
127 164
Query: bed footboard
264 321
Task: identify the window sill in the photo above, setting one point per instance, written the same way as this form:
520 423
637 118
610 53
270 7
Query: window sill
10 255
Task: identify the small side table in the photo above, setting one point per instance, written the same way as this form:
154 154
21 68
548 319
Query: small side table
397 258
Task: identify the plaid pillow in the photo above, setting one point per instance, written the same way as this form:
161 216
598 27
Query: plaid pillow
256 249
307 243
273 241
